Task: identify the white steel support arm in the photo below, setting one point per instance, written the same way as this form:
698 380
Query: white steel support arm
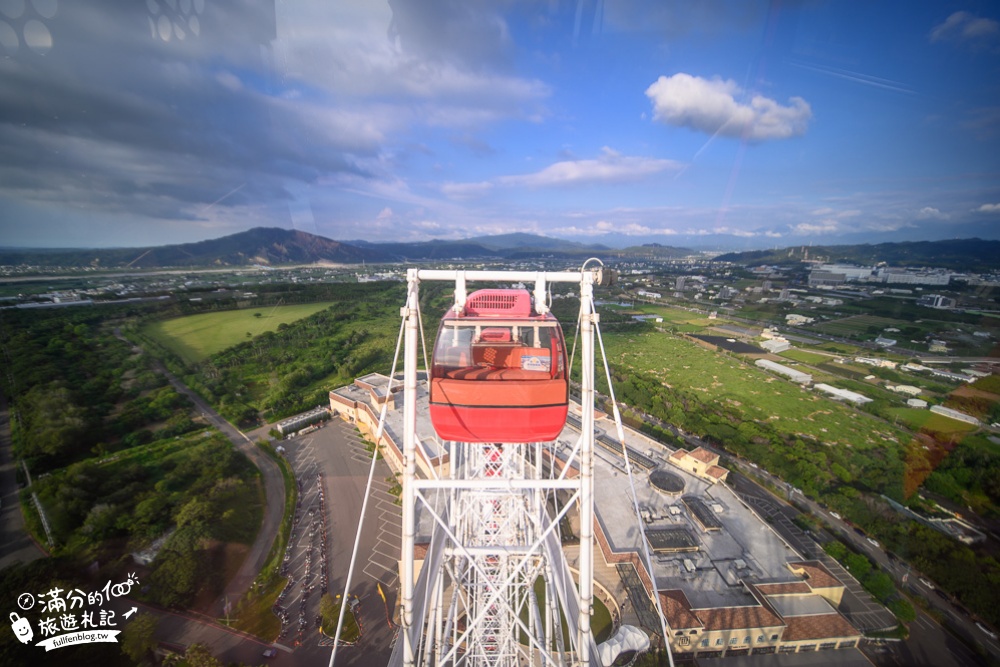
409 464
587 318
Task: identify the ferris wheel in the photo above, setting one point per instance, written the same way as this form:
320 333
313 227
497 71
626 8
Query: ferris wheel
483 577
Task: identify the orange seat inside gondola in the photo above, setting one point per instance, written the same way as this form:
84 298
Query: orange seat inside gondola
505 363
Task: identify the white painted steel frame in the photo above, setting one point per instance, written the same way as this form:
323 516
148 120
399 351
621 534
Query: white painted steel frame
492 561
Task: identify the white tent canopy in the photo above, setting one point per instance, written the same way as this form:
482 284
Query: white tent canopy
628 638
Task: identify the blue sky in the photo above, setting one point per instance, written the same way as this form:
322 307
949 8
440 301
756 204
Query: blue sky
708 123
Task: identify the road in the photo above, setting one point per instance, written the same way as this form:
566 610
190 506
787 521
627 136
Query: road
929 643
274 489
16 545
339 454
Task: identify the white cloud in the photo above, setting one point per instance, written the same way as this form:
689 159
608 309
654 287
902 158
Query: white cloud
930 213
834 214
229 80
711 106
629 229
451 64
964 27
610 167
466 190
989 208
822 227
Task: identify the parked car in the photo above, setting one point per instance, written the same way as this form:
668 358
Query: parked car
834 515
926 583
873 542
270 653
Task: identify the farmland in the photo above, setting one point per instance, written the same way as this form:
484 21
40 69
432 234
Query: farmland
859 325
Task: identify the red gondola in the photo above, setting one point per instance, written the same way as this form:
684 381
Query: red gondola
499 372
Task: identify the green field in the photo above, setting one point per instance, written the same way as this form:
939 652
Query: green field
761 396
806 357
857 325
676 315
196 337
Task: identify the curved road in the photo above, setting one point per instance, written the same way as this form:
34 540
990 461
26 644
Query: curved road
274 489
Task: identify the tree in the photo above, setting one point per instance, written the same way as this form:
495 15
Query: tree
137 637
858 565
197 655
880 585
903 610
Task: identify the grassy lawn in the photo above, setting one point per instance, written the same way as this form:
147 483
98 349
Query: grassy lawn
761 396
676 315
857 324
254 615
196 337
350 632
805 357
925 420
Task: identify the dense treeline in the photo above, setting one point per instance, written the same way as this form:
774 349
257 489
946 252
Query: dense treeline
77 390
283 372
970 475
875 581
199 491
113 459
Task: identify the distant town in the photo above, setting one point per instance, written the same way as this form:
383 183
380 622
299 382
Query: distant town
817 445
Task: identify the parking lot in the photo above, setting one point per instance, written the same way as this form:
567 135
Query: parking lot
331 469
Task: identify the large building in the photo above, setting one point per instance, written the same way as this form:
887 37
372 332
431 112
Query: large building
795 376
361 403
843 394
729 584
936 301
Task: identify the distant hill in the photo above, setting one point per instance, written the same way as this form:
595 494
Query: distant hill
653 251
957 254
261 245
274 246
518 246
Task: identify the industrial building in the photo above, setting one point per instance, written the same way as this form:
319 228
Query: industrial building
776 345
843 394
795 376
301 421
936 301
955 414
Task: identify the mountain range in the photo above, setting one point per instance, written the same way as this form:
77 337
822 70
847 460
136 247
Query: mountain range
958 254
274 247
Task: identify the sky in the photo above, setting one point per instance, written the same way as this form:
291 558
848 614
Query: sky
701 123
